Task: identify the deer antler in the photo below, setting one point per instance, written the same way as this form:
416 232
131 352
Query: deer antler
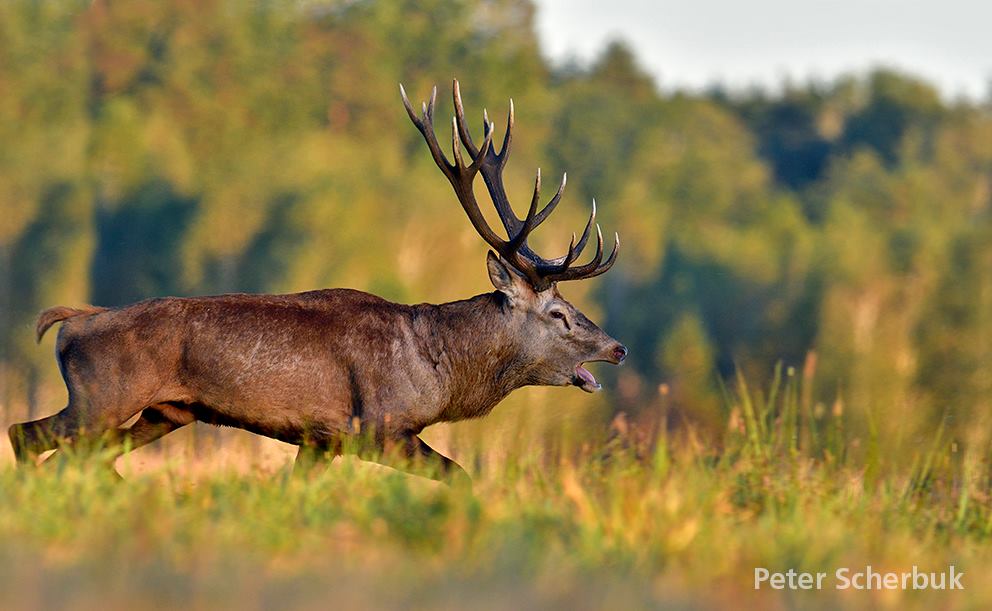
540 272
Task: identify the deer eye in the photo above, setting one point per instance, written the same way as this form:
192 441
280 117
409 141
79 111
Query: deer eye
559 315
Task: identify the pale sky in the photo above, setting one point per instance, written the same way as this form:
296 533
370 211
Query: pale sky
694 43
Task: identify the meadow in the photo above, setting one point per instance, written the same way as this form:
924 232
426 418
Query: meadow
625 522
841 227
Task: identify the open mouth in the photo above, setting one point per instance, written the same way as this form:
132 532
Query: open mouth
585 380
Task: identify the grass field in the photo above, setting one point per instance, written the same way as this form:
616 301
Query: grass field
613 526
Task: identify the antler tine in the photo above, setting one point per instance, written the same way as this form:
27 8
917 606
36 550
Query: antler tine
605 267
530 222
456 147
571 254
597 257
590 271
558 265
492 170
576 272
483 152
548 209
585 232
479 153
504 150
463 132
535 218
426 127
561 264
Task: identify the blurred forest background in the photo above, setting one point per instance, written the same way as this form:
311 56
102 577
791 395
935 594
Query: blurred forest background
195 147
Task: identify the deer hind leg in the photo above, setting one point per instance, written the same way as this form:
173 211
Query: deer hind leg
31 439
99 402
68 427
155 422
90 415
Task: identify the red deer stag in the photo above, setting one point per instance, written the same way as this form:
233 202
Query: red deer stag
324 368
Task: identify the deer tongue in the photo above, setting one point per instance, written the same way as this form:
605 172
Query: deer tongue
587 381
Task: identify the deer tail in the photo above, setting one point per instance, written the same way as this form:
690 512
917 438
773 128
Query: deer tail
59 313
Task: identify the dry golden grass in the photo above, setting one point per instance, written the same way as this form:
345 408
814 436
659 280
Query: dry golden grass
605 525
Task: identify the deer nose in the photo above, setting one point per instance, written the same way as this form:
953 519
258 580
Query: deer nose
620 353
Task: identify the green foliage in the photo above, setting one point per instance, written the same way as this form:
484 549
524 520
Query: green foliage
158 148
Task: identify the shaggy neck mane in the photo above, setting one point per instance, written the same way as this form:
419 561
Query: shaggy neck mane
476 356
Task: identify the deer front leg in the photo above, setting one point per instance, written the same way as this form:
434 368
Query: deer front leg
312 454
438 466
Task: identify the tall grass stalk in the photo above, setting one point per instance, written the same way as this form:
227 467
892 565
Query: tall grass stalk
599 525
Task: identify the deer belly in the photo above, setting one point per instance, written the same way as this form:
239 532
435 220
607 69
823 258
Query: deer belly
286 401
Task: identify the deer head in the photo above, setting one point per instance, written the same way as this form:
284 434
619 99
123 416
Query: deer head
553 337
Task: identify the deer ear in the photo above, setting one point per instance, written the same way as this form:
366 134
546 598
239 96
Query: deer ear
506 280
